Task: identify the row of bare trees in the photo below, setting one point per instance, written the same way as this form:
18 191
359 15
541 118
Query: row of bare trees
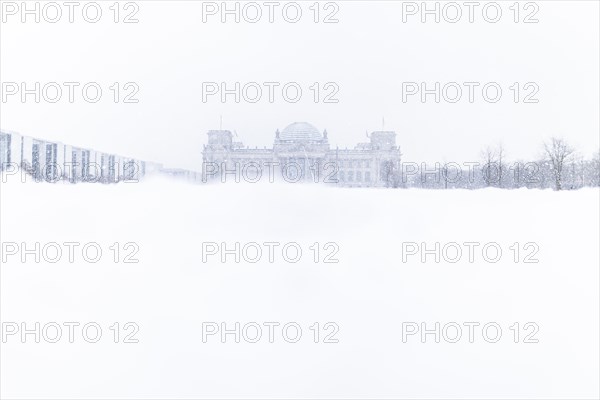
558 167
557 155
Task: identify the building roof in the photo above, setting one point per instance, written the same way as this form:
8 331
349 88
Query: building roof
300 131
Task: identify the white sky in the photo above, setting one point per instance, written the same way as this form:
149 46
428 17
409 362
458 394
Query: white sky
369 53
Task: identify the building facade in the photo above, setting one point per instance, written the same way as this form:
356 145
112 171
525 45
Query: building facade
301 153
48 161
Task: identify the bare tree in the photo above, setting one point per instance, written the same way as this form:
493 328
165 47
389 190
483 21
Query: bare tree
577 174
390 174
493 168
595 169
489 157
445 174
557 151
500 156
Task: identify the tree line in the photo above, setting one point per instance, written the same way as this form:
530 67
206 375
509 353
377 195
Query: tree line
559 167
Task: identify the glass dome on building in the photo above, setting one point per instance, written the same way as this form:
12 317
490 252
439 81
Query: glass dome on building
300 131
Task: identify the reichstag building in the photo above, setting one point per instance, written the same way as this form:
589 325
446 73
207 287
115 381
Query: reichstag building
301 153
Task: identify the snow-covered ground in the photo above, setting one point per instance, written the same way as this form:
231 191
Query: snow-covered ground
368 294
